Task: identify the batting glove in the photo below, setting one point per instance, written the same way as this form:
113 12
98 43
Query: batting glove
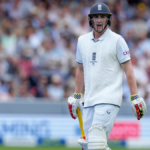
74 103
138 106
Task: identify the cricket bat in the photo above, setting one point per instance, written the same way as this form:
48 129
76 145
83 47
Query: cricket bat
80 123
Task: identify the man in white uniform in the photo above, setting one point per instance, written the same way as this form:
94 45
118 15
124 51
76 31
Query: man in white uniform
102 56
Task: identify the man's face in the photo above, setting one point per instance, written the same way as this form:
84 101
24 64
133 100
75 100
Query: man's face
99 22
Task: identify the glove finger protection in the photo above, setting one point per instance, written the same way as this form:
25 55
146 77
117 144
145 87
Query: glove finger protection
138 106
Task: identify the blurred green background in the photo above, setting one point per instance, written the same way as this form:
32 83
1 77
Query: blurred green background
53 148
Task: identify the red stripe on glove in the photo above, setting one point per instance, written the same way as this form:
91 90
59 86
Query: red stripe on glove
70 110
137 111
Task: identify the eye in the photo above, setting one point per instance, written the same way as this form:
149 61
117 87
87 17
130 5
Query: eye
103 17
95 17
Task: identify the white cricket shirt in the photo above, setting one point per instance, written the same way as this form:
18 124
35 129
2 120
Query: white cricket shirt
101 61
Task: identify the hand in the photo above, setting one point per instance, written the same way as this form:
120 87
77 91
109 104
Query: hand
138 106
73 104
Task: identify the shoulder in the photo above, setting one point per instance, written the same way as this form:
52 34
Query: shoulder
115 35
85 37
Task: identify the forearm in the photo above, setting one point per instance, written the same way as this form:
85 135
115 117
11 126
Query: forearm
127 67
131 82
79 79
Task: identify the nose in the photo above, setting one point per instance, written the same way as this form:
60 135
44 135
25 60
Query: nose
99 20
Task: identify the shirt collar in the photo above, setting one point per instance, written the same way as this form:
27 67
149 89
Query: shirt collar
102 37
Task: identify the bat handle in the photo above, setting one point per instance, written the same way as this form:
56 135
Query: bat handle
80 123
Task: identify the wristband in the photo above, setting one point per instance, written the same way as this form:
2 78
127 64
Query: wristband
134 97
77 96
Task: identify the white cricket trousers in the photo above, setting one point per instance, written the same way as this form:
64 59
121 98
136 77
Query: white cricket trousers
103 115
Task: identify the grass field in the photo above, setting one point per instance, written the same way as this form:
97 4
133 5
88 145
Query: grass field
51 148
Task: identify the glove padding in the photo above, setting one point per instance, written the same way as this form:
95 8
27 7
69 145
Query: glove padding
138 107
73 104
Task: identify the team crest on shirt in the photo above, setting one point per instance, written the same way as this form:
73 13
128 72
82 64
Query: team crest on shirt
93 59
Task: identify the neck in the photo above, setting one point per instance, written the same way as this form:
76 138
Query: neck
97 35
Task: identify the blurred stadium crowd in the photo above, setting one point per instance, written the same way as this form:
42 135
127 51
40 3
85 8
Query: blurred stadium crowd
38 44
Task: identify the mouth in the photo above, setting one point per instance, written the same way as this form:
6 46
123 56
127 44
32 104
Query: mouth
99 25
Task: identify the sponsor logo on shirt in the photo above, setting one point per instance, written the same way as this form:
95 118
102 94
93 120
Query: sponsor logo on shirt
93 59
127 52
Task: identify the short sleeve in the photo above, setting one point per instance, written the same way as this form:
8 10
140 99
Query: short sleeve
123 53
78 54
